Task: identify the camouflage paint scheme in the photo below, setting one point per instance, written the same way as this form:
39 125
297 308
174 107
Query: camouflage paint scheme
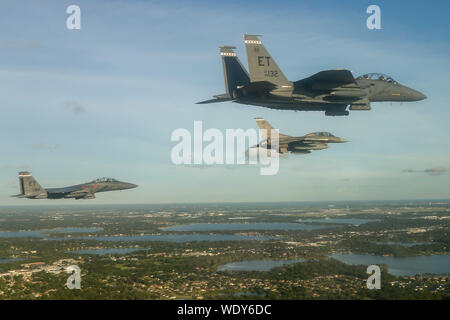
296 145
31 189
331 91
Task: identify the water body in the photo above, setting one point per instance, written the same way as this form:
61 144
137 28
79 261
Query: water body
74 230
401 266
41 233
256 265
10 260
170 238
241 226
21 234
109 251
353 221
403 244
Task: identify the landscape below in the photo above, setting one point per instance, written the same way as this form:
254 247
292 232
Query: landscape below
227 251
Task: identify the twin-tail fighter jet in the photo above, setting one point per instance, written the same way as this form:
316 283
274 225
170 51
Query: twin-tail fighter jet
31 189
331 91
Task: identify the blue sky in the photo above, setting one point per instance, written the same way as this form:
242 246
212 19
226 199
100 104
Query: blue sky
103 100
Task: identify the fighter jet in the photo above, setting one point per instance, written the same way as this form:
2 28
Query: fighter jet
331 91
295 145
31 189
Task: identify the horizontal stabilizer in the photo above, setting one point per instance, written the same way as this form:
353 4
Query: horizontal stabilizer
218 98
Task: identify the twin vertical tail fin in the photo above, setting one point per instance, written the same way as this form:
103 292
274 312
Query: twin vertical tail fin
265 75
234 73
29 187
261 64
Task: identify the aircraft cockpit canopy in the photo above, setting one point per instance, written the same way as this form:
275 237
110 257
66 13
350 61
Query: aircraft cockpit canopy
105 180
377 76
323 134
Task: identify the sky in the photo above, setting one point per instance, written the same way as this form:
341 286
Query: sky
103 100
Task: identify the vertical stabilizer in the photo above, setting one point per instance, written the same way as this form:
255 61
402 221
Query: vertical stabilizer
266 129
29 187
261 64
233 71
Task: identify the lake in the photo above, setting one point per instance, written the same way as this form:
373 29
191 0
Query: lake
241 226
401 266
353 221
170 238
256 265
10 260
42 233
21 234
74 230
403 244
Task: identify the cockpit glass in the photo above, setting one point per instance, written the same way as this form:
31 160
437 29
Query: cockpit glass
105 180
377 76
322 134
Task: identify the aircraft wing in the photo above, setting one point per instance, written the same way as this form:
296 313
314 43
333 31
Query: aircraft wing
77 192
259 87
86 196
82 194
329 79
287 140
63 191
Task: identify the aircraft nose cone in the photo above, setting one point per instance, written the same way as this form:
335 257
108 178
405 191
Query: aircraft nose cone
421 96
417 95
131 186
339 140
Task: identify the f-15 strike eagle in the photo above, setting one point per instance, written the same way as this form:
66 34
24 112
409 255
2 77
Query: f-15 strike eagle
295 145
31 189
331 91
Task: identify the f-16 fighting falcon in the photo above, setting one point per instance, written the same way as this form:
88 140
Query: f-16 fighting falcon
31 189
331 91
296 145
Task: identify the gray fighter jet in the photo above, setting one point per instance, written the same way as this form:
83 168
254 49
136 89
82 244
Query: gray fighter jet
31 189
331 91
296 145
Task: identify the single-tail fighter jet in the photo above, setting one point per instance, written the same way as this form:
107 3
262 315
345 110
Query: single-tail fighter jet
331 91
295 145
31 189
